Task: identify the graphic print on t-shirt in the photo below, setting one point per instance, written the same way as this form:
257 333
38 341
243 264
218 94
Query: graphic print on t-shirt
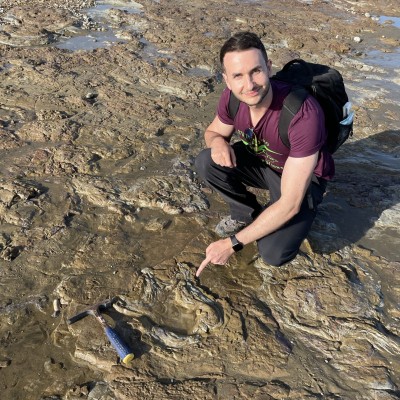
259 148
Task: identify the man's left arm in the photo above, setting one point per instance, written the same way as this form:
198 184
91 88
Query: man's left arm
296 178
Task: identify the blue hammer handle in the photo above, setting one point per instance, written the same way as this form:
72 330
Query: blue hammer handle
124 352
122 348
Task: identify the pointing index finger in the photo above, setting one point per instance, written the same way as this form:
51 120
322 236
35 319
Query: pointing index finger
202 266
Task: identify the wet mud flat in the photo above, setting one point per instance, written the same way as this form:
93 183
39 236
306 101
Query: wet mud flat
103 106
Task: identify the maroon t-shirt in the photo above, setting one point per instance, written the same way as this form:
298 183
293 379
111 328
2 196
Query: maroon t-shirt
307 133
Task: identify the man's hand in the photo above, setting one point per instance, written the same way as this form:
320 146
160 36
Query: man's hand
217 137
222 153
217 253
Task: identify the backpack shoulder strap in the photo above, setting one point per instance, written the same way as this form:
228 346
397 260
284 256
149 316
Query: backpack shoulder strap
233 106
291 105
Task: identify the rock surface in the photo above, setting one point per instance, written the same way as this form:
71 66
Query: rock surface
103 106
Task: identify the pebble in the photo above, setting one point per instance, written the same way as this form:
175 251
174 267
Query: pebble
50 366
4 363
357 39
100 391
56 307
90 95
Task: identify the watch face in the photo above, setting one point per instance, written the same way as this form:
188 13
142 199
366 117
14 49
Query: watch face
236 245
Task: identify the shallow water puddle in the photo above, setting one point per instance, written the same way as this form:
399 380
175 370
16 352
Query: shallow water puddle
90 40
381 79
388 61
373 87
395 21
374 158
5 67
388 82
103 7
106 35
199 72
152 55
152 52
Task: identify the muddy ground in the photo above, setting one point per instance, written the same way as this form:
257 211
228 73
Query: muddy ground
102 111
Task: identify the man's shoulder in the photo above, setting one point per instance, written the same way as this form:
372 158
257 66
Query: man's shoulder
280 90
280 86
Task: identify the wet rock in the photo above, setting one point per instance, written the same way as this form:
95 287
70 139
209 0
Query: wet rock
197 313
30 26
17 191
172 340
157 224
172 194
46 130
99 198
103 193
14 307
339 335
101 391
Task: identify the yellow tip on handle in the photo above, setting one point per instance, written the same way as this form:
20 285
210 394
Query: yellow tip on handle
128 358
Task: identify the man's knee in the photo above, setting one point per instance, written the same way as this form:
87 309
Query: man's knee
276 256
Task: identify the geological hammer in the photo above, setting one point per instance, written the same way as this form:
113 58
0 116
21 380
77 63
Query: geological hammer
120 346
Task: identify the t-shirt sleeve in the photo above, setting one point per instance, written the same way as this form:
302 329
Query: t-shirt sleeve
223 108
307 132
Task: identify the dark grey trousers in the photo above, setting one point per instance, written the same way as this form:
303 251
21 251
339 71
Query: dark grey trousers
282 245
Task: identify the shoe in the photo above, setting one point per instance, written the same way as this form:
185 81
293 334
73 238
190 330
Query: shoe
228 226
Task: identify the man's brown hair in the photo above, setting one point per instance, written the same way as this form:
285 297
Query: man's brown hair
242 41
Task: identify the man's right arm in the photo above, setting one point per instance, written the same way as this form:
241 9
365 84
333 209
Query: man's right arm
217 138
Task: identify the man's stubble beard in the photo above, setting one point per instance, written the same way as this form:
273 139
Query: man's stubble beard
263 97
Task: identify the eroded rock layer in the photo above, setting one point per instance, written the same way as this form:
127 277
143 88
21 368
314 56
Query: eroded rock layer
103 106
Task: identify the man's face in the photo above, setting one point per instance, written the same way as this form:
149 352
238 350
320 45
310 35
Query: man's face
247 75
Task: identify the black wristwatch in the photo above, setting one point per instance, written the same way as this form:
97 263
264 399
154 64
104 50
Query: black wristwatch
236 245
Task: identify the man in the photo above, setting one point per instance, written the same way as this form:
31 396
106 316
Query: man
296 177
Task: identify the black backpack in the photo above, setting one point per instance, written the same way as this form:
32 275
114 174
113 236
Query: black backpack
322 82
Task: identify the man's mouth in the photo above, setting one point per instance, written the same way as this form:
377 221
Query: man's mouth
252 93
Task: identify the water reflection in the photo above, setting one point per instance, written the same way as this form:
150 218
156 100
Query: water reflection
395 21
92 41
105 35
383 59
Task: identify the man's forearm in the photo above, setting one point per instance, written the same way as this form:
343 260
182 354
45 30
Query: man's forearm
211 136
270 220
296 178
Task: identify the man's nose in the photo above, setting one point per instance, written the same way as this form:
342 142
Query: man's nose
249 82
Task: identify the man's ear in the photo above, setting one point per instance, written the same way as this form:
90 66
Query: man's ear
226 80
269 68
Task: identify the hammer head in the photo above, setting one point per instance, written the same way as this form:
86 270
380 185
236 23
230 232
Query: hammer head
94 310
